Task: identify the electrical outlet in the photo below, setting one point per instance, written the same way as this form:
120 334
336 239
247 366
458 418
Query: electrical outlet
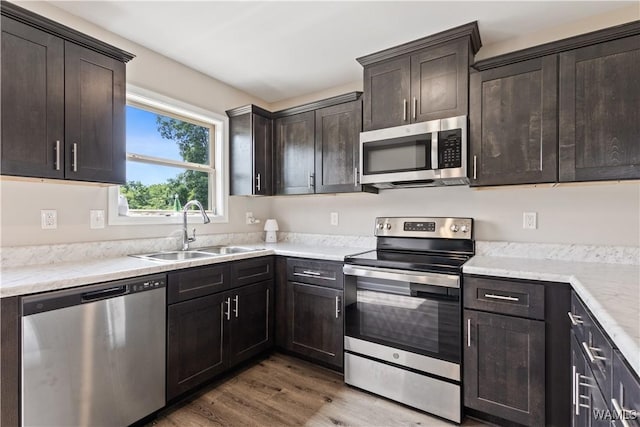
49 219
250 219
334 218
96 218
529 220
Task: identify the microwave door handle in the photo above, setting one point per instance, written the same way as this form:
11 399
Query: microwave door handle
434 151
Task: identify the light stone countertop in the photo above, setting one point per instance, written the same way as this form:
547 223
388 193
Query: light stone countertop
610 291
39 278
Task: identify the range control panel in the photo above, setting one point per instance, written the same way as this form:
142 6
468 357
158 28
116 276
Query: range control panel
445 228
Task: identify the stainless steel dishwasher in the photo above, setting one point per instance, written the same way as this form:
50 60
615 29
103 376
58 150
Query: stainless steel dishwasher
94 356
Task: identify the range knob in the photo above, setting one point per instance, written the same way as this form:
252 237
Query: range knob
380 226
454 228
464 229
388 226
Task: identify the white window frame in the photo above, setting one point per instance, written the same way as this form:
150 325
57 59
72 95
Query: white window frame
218 181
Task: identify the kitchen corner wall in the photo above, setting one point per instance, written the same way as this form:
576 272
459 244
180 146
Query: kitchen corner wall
22 200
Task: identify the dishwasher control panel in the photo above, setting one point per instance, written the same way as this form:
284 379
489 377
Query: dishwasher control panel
87 294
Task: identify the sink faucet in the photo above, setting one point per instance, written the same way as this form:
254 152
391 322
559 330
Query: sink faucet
185 235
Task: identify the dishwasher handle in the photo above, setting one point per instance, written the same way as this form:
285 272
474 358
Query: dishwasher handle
105 293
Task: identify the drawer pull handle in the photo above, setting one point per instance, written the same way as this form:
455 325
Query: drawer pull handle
575 319
312 273
501 297
590 353
621 413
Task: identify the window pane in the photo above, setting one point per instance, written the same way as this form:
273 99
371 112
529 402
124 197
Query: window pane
154 187
153 134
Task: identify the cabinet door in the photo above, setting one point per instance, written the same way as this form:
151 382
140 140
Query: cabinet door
32 102
337 147
251 326
295 149
241 156
504 367
440 82
600 112
95 147
195 343
386 94
262 155
314 322
513 124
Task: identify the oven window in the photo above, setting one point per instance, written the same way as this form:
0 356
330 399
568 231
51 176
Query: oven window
397 155
424 324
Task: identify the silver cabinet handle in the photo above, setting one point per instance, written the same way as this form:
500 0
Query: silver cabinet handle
575 319
415 107
235 299
228 312
337 307
468 332
355 177
475 167
501 297
576 390
620 413
590 353
57 150
312 273
404 109
258 185
75 157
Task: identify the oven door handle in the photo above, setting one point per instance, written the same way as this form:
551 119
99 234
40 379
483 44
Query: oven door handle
435 279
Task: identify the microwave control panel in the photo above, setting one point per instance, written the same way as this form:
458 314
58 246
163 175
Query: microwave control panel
450 149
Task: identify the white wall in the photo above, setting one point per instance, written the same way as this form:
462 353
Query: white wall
22 201
602 214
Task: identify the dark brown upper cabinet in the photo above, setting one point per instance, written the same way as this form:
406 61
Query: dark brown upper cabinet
251 142
295 150
337 149
317 146
33 102
559 112
423 80
64 118
513 123
600 112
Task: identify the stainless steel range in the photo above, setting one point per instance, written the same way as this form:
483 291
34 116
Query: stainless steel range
403 313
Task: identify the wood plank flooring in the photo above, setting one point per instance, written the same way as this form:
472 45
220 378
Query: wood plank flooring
285 391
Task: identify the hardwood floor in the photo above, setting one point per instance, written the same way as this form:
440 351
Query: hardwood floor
285 391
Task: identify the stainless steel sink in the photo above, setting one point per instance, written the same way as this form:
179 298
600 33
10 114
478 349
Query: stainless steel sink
208 252
226 250
175 255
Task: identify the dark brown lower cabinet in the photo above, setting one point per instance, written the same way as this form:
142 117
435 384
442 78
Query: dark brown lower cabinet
207 335
315 322
195 343
504 366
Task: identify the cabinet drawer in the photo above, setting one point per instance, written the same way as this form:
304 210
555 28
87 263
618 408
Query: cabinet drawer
322 273
625 393
504 296
197 282
252 270
595 345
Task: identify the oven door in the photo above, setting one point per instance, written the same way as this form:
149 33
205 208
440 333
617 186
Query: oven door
412 311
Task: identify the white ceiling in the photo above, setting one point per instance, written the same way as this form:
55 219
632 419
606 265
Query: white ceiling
277 50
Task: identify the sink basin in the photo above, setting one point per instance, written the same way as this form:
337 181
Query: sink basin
225 250
176 255
208 252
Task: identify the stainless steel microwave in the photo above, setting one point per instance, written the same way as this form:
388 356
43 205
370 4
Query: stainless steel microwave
422 154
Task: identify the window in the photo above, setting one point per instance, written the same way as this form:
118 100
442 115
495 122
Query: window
175 153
